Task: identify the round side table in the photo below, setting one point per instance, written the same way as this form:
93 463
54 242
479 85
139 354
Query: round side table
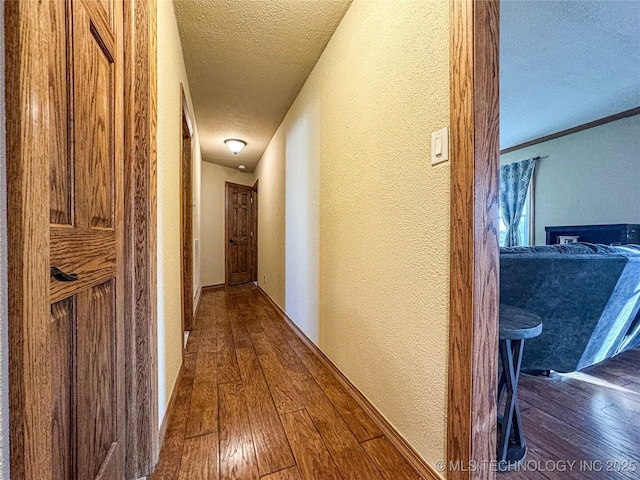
516 326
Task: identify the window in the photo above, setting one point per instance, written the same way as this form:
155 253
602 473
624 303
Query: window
525 227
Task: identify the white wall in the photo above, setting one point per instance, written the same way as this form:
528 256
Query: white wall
213 221
4 321
196 183
354 220
302 218
271 174
171 73
590 177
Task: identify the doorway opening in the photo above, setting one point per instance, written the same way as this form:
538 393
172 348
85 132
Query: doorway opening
186 219
241 228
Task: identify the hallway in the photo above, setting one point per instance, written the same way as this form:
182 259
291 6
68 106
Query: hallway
253 401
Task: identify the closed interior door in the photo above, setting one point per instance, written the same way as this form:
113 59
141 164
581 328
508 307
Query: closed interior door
86 241
240 230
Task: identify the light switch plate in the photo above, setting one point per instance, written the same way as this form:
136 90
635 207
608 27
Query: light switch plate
440 146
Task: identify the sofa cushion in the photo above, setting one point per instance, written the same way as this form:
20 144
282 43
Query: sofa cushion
586 295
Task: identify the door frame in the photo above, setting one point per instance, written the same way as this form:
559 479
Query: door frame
474 257
186 222
28 49
253 250
141 302
254 213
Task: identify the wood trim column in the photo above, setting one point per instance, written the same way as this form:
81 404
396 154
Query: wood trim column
141 369
28 50
473 336
186 216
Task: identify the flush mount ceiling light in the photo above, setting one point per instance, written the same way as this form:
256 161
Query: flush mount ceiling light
242 167
235 145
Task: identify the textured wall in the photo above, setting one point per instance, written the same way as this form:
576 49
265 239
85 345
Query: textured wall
270 173
213 221
302 217
4 323
196 181
590 177
171 73
358 136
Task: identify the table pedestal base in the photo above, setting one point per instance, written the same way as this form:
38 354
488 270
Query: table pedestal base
516 325
513 458
511 444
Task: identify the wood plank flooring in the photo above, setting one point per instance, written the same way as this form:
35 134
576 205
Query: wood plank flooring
589 416
255 403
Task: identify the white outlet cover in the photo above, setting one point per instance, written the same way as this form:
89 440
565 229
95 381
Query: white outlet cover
440 146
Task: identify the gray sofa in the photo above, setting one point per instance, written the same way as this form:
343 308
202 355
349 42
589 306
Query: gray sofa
588 297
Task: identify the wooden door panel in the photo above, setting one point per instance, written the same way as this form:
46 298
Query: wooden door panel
63 318
66 191
94 117
239 231
60 167
97 397
85 239
242 258
106 7
91 249
89 253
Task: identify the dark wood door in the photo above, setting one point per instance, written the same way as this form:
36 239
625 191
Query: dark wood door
86 241
240 205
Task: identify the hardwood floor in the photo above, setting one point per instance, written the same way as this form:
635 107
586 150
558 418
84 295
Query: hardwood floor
589 416
255 403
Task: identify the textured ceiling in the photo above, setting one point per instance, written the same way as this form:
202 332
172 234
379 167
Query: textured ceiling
246 61
565 63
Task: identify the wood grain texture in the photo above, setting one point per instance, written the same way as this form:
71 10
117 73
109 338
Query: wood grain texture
28 46
226 358
312 457
96 125
99 198
361 424
251 437
63 317
61 200
241 338
388 461
589 415
283 350
272 450
89 253
288 474
240 215
284 394
186 214
343 446
96 370
203 414
316 361
473 332
140 246
40 47
254 251
173 427
237 453
200 460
